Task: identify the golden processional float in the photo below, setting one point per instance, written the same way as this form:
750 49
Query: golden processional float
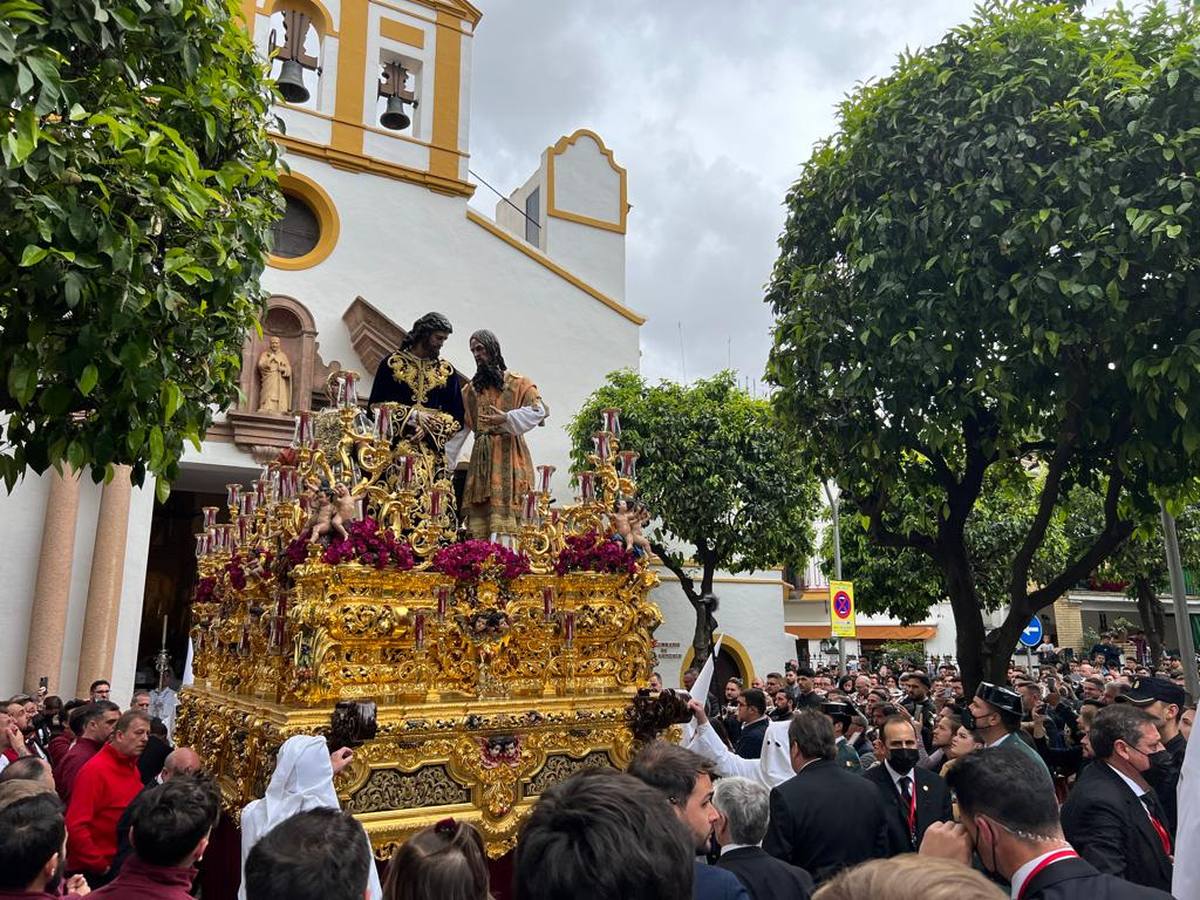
468 676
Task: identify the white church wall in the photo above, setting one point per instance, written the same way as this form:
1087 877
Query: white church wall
133 586
594 254
23 512
585 183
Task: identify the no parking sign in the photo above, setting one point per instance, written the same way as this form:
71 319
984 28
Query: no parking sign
841 609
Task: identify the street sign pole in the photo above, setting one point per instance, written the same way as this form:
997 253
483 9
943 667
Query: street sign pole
837 564
1183 623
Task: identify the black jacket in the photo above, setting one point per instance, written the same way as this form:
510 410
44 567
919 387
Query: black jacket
825 820
1077 879
1107 824
933 805
765 877
749 745
1166 781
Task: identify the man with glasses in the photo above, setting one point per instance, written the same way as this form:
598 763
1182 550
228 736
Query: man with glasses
752 714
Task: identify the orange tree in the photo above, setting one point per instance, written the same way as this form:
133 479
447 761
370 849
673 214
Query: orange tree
137 193
993 261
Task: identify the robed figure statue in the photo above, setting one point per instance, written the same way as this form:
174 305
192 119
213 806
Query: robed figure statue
425 388
500 407
274 380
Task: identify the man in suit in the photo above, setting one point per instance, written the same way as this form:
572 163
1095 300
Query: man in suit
997 712
743 807
1112 816
840 714
685 779
752 714
915 798
729 711
823 819
1009 818
1164 700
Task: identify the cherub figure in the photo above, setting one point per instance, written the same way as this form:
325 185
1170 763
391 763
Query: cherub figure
347 505
640 518
619 524
324 517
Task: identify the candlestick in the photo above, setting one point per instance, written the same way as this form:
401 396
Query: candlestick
548 602
587 486
545 473
164 637
443 600
419 630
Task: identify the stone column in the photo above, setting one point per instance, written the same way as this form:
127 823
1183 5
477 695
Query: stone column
52 591
104 586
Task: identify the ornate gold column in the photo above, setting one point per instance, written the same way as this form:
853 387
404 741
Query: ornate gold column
52 591
104 586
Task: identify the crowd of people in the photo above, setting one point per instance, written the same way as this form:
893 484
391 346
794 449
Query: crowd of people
890 783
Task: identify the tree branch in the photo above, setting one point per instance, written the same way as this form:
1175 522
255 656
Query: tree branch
675 568
885 537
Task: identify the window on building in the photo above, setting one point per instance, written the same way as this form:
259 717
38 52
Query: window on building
298 232
533 228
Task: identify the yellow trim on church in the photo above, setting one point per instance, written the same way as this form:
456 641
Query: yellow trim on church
322 18
328 221
395 30
558 149
543 260
359 162
737 650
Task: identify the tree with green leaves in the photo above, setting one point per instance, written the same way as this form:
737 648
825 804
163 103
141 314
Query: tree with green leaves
139 190
904 582
721 475
1141 562
991 262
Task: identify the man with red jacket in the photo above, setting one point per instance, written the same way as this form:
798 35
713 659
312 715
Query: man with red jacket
93 725
102 790
171 825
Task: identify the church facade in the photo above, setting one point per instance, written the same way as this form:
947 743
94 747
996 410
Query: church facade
383 225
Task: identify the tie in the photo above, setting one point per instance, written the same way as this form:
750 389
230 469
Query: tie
1152 809
910 806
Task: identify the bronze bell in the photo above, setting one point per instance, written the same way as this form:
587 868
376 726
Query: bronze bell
394 116
291 82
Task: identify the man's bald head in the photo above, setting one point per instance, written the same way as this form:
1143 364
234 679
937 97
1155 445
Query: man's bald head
29 768
181 761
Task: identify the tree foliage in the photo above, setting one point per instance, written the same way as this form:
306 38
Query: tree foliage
993 260
721 475
904 583
138 193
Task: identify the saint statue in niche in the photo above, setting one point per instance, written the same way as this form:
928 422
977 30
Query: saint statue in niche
275 380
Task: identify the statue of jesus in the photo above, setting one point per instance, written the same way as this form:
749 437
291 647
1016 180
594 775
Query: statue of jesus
275 380
500 406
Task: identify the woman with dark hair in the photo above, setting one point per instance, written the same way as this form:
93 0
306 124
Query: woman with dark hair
445 862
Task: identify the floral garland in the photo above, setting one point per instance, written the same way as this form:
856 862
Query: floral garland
366 544
590 552
472 561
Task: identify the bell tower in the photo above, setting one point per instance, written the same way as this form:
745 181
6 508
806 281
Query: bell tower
373 86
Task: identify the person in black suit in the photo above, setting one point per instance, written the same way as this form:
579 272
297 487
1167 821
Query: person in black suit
729 712
1112 816
1165 701
685 780
743 808
752 714
915 797
1010 820
823 819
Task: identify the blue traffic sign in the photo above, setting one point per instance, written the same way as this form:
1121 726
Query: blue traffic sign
1032 635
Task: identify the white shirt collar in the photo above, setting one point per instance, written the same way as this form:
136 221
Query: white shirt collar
895 776
725 848
998 742
1022 874
1137 789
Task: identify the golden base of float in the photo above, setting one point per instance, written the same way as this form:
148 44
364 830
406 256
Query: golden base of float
487 694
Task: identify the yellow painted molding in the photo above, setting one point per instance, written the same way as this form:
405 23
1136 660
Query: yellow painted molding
351 76
322 19
327 219
431 19
453 9
395 30
358 162
736 649
552 209
543 260
447 91
317 114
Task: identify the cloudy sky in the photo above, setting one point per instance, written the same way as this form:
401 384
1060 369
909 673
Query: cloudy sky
712 107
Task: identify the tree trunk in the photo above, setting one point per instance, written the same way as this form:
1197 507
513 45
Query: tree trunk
1002 640
706 622
968 615
1151 613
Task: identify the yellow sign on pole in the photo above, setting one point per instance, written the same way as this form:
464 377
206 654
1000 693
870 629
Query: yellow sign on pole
841 609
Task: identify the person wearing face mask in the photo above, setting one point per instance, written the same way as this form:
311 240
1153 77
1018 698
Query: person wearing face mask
914 798
996 712
1113 817
1009 823
1165 701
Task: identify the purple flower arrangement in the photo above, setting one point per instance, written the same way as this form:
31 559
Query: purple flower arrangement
472 561
206 590
590 552
370 546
